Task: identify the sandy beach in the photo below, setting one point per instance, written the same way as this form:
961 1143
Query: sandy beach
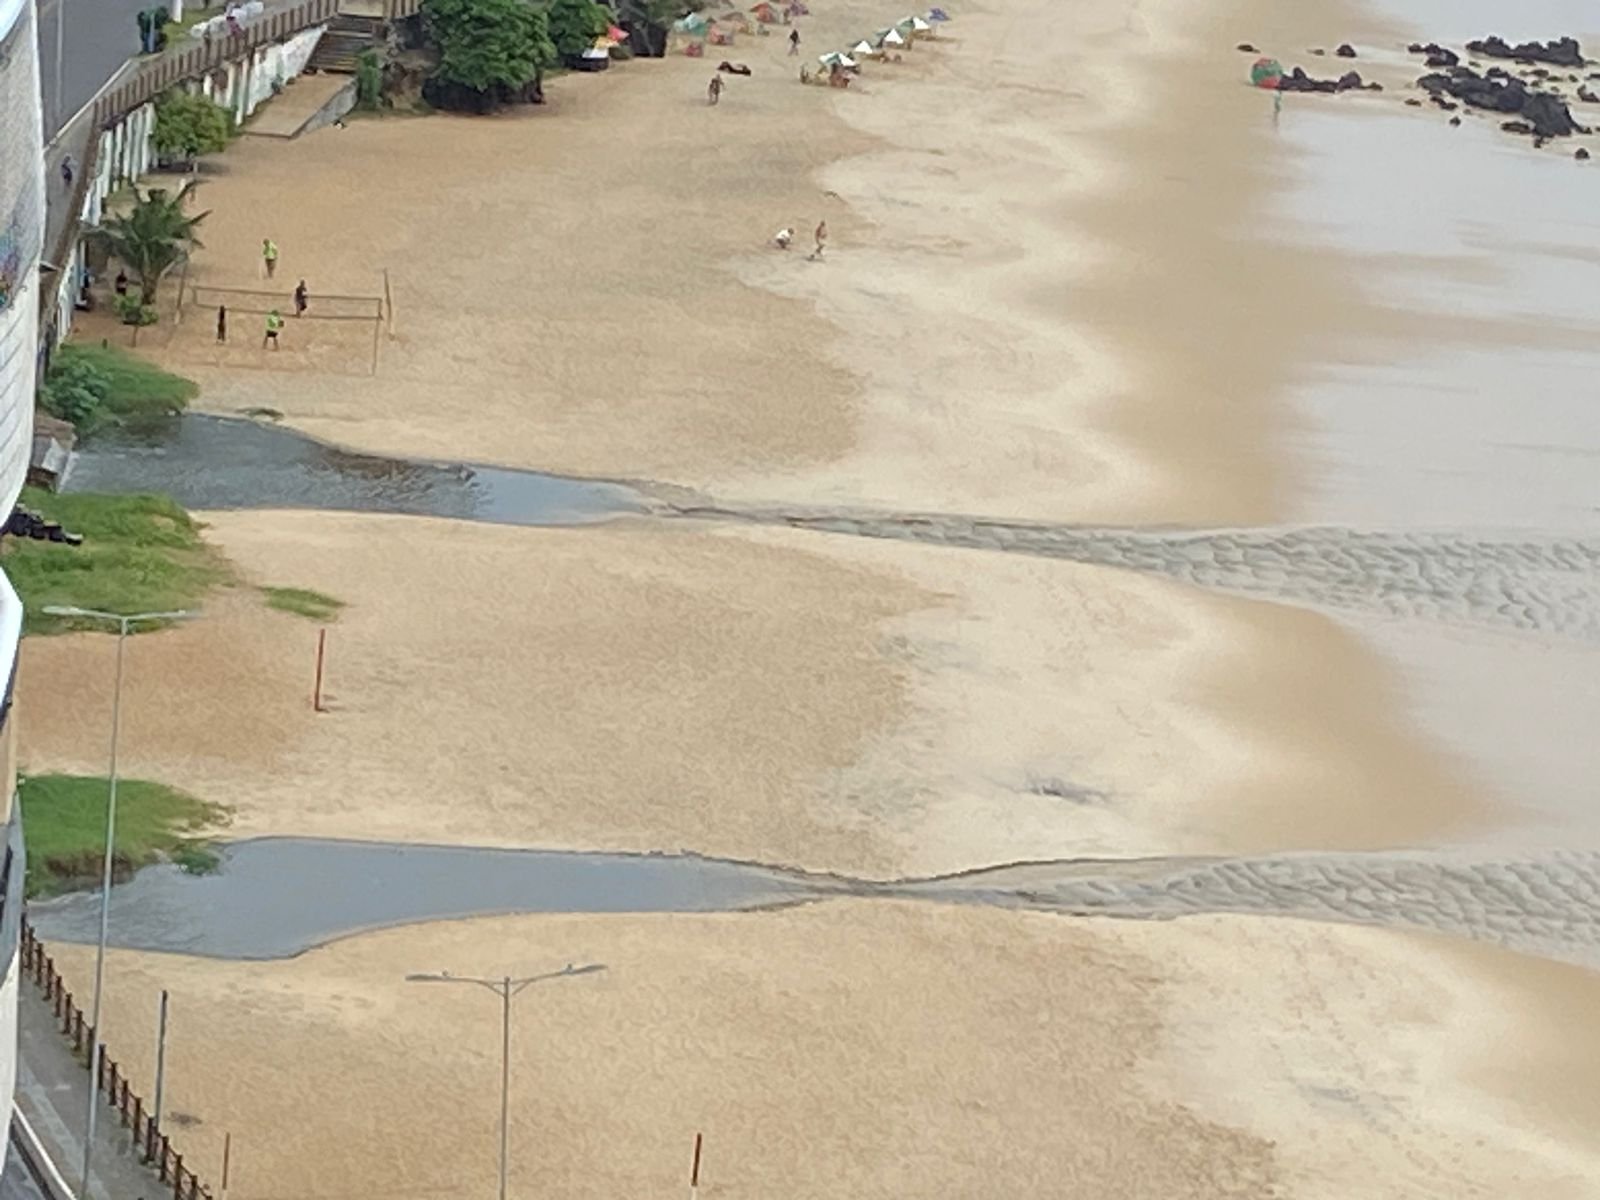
1076 275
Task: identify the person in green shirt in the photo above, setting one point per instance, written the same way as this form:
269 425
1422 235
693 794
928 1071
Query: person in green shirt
269 255
274 324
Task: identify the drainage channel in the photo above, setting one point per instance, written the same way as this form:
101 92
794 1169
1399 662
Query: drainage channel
1546 905
210 462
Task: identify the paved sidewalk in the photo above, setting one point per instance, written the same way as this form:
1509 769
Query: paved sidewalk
52 1090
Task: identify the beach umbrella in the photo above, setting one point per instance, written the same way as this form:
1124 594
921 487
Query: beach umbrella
1266 73
694 23
617 34
863 48
835 59
916 25
938 14
890 37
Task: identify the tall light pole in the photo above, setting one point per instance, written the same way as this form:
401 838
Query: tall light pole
61 19
123 622
506 988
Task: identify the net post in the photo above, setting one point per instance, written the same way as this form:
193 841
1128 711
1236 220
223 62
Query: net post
388 302
377 332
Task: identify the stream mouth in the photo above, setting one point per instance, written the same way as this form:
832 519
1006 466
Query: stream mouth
210 462
276 897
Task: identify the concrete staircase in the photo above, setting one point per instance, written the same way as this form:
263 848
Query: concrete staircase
346 39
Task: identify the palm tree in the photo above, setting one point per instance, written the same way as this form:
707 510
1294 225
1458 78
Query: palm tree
153 236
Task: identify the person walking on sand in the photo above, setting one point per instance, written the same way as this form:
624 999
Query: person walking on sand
794 42
300 295
274 325
222 323
714 90
822 241
269 255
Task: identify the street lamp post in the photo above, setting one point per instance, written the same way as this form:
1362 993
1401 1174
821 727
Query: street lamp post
123 622
505 988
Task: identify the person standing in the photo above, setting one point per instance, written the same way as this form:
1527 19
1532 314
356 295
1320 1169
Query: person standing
121 282
300 295
714 89
222 323
822 240
794 42
66 171
269 256
274 327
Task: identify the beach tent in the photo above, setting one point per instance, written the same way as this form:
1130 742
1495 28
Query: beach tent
617 34
694 25
938 14
835 59
916 25
764 12
865 49
890 37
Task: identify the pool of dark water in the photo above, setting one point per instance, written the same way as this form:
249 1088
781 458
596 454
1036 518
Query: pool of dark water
209 462
276 897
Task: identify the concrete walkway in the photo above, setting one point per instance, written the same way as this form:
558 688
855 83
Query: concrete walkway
287 113
52 1090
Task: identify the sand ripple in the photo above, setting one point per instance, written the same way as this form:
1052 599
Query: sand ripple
1524 583
1548 905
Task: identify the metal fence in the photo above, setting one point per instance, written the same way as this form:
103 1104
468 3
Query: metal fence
154 1146
175 67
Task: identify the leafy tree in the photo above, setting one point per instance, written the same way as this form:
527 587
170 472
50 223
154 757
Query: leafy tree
489 47
152 237
574 25
648 22
188 124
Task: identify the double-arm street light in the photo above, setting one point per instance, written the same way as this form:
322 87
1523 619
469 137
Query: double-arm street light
124 622
505 988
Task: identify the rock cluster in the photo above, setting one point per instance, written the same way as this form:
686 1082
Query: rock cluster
1438 56
1298 81
1563 52
1542 115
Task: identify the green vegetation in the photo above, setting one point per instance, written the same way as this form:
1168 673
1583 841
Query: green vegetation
189 124
139 554
369 81
153 236
490 51
94 386
574 25
303 602
64 824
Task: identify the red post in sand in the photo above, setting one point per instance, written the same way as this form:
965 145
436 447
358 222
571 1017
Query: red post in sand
316 691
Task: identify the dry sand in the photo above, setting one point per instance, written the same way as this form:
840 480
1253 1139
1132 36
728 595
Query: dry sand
877 709
883 1050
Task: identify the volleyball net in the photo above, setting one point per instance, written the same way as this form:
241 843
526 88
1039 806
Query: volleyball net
333 329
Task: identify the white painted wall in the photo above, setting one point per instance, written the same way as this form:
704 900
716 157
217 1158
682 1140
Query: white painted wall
21 236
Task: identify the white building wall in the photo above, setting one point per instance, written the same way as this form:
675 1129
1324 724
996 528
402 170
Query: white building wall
21 241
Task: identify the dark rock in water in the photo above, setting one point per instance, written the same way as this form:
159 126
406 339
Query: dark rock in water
1415 48
1539 143
1546 116
1414 103
1497 73
1564 52
1319 53
1455 121
1346 51
1246 48
1516 127
1444 105
1439 57
1581 154
1587 96
1298 81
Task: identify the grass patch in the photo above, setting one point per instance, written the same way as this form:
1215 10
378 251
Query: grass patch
139 554
98 385
64 825
303 602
